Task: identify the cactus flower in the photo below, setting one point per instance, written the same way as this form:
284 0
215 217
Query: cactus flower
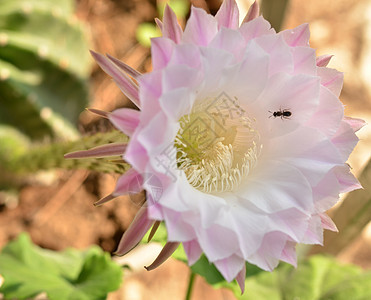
244 129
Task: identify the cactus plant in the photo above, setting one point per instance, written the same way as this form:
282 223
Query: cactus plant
44 66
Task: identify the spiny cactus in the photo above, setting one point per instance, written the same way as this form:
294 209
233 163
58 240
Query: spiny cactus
44 65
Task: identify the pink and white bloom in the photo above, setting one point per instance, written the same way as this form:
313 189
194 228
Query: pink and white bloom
244 128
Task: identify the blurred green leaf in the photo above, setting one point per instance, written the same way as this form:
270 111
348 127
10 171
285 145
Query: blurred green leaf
317 278
145 32
26 6
29 270
44 66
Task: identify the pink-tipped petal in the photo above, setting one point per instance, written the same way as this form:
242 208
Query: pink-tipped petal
332 79
355 123
165 253
193 251
201 28
298 36
345 140
304 60
289 254
240 278
323 60
124 67
127 86
346 179
161 49
159 24
171 28
125 119
255 28
281 59
230 266
253 13
136 231
327 223
227 15
314 234
100 151
131 182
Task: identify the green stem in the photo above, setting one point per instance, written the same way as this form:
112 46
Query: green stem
190 285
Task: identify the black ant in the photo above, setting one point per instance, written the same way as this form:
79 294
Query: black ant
282 113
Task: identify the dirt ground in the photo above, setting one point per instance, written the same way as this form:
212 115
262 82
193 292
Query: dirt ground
60 214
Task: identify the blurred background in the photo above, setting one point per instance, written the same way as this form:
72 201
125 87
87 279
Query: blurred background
47 78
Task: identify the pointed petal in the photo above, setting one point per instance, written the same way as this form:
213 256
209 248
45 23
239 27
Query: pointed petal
105 200
165 253
329 113
256 28
153 230
201 28
314 234
289 253
331 79
281 59
230 266
134 234
304 58
159 24
253 12
323 61
346 179
269 253
193 251
240 278
171 28
327 223
124 67
100 151
125 119
345 140
355 123
127 86
298 36
98 112
227 14
161 49
129 183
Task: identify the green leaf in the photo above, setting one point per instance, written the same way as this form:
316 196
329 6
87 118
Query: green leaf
29 270
44 67
207 270
26 6
318 278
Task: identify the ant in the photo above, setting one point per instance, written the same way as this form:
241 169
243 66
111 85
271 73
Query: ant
282 113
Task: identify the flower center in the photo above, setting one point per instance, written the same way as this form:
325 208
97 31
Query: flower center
217 145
